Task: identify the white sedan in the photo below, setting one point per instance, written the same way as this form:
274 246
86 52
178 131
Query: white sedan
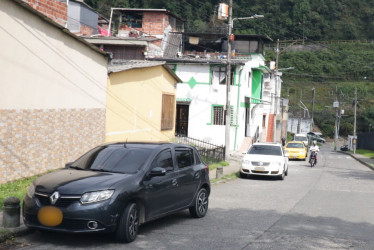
268 159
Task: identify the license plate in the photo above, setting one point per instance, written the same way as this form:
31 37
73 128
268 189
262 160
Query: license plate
259 168
294 155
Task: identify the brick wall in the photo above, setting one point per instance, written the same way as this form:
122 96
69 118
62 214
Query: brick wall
54 9
154 23
35 141
270 132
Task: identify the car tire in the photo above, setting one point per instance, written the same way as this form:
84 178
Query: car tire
200 204
281 177
128 224
286 172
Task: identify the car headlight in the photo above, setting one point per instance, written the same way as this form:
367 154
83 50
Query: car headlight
96 196
31 190
277 163
246 162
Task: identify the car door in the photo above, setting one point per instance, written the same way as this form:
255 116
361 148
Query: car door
161 192
189 174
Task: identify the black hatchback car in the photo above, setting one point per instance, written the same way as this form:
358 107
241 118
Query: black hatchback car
116 187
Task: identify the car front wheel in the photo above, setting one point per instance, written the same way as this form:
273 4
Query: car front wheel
281 177
129 224
200 206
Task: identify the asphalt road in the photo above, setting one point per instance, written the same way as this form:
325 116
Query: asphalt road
330 206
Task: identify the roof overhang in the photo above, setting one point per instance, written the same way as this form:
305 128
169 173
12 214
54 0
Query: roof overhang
264 69
150 10
200 61
116 41
139 64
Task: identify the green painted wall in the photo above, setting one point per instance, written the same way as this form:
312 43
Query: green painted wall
256 85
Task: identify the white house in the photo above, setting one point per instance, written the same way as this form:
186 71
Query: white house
201 98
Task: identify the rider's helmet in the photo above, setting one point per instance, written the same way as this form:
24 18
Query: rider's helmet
314 143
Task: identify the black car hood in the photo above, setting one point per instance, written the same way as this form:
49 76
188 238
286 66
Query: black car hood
71 181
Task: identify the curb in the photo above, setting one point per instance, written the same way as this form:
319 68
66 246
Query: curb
358 159
7 233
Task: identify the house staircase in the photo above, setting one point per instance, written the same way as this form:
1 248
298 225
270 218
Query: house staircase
246 144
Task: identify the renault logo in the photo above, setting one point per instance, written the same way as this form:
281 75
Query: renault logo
54 197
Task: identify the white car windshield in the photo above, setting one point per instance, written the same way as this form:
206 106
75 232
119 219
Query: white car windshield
265 150
300 138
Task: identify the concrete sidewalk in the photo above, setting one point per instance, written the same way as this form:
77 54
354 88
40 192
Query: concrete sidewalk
369 162
233 167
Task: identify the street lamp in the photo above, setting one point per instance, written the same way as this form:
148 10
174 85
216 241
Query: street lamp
228 76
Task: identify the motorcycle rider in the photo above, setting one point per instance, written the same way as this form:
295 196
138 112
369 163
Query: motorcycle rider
315 148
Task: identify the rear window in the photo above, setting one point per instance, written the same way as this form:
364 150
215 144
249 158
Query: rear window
265 150
117 159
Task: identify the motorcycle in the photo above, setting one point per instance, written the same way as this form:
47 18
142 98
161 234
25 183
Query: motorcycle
312 160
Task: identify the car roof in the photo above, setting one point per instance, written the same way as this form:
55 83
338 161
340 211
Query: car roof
267 144
150 145
300 134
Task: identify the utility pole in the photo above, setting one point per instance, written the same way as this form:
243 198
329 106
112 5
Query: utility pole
336 105
275 103
354 123
228 82
313 96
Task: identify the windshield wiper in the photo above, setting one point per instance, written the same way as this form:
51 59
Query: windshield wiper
75 167
104 170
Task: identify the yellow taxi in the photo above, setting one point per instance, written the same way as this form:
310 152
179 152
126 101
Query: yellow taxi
296 150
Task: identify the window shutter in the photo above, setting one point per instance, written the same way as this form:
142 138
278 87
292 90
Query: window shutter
168 107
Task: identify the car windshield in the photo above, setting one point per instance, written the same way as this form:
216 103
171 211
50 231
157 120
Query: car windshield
117 159
294 145
265 150
300 138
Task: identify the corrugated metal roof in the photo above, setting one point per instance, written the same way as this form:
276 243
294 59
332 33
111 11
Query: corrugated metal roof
172 45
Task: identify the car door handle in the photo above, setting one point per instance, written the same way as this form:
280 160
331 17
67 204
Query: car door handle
197 175
174 182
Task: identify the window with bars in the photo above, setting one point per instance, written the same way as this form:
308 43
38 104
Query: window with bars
219 115
168 110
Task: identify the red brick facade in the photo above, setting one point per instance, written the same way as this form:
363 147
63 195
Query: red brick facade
154 23
54 9
270 132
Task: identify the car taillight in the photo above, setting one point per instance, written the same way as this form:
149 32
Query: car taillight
207 168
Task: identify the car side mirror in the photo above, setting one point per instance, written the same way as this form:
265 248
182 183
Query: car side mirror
67 165
157 171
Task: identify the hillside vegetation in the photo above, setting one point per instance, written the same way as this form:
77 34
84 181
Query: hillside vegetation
284 19
334 70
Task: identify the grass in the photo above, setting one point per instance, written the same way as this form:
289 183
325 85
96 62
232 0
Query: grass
16 188
365 152
227 177
215 165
